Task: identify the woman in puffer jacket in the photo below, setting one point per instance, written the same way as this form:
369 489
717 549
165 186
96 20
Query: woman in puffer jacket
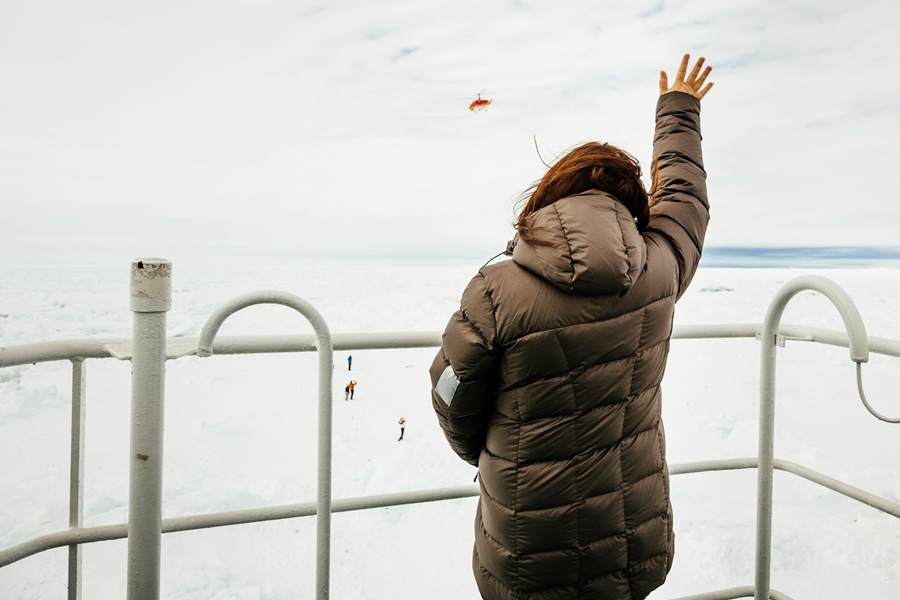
548 379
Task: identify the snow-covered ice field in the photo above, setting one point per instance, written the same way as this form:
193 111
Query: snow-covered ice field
241 432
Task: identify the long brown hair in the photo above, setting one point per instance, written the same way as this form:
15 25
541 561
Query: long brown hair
591 166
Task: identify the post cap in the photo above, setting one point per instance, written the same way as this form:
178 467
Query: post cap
151 285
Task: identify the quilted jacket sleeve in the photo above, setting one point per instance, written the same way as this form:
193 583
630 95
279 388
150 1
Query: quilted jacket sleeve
681 212
463 373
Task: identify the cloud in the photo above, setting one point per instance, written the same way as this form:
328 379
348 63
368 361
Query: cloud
285 110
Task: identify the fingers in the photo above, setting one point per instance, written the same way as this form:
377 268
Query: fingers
695 71
700 80
692 83
703 92
682 68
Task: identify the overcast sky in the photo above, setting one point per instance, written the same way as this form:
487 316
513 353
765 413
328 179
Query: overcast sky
297 128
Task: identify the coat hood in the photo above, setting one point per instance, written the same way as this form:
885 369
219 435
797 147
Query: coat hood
597 248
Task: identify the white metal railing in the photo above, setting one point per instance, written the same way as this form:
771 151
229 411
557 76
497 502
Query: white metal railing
148 350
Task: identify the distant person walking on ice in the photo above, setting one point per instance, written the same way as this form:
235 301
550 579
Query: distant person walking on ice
349 362
402 423
351 386
346 392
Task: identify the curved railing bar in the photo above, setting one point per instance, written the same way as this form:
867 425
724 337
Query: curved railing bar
177 347
835 485
732 593
105 533
35 352
859 353
862 396
326 366
289 511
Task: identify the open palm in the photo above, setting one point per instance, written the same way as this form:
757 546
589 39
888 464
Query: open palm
692 84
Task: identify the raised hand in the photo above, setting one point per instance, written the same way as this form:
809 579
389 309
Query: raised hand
692 85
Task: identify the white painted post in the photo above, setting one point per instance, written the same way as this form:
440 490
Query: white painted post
151 298
76 475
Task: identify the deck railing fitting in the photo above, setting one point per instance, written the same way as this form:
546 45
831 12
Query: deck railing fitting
326 362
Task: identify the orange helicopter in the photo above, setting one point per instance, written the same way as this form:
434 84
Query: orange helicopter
479 103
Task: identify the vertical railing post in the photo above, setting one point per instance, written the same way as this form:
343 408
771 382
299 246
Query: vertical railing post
766 453
323 486
76 474
151 298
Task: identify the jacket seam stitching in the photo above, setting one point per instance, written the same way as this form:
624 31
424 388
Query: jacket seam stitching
586 368
491 347
578 492
664 475
644 478
628 277
515 502
515 491
568 245
471 323
630 484
598 321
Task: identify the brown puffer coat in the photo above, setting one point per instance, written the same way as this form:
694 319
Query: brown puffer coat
549 381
